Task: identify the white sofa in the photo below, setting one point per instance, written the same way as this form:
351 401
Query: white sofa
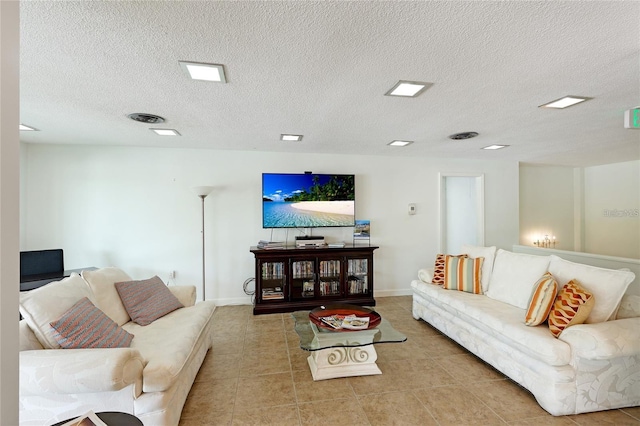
591 367
150 379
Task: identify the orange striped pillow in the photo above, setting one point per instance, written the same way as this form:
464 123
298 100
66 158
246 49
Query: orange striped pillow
463 273
572 306
542 299
438 270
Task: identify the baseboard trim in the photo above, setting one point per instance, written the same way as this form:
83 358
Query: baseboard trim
389 293
249 301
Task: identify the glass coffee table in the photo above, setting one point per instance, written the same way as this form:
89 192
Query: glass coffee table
342 353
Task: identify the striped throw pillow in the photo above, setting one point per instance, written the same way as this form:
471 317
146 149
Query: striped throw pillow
147 300
438 270
542 299
463 273
85 326
572 306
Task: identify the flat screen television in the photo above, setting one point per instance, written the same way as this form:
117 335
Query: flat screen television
306 200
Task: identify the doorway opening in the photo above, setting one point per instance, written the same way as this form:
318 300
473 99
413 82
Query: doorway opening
461 211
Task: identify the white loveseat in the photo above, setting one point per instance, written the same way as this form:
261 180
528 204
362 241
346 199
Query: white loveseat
590 367
150 379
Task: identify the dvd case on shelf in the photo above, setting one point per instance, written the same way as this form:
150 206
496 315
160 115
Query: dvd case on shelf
275 293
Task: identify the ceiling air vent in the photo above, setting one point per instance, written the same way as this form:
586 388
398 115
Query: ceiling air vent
146 118
463 135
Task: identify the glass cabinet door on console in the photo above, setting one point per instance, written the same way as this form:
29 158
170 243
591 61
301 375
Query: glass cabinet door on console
358 273
273 281
291 279
329 273
303 278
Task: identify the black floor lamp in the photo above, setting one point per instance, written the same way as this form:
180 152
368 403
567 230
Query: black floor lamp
202 192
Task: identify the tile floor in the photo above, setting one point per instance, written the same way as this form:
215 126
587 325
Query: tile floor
256 374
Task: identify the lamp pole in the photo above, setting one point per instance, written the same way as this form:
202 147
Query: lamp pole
202 192
203 259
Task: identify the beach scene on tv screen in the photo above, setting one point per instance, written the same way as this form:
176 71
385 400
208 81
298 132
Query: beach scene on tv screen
306 200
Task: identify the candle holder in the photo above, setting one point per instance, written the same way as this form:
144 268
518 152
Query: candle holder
546 242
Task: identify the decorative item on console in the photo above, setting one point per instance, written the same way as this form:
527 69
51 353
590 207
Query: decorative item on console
545 242
362 232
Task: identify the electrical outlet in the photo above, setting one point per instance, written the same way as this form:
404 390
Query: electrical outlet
172 274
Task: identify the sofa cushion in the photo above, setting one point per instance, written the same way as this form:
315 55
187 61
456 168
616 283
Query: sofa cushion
572 306
147 300
489 255
463 273
542 299
168 343
85 326
102 283
47 303
607 285
438 269
629 307
186 294
500 320
514 276
426 275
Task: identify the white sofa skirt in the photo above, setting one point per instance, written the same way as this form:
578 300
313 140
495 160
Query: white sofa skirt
560 377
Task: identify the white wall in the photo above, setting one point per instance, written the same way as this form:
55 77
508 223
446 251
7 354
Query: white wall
611 209
23 200
461 216
571 204
547 204
133 208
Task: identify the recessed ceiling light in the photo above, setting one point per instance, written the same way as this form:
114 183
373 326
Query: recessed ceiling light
408 88
495 146
202 71
166 132
565 102
287 137
400 143
27 128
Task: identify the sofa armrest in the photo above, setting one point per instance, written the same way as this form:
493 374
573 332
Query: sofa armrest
426 275
604 340
28 340
73 371
186 294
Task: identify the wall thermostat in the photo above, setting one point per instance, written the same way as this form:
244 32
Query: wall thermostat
412 208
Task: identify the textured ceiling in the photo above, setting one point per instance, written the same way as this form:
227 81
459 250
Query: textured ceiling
321 69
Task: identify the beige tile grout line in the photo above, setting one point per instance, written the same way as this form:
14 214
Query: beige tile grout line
293 382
